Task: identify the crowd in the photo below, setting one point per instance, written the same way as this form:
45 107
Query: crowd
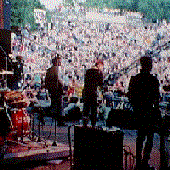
78 58
81 43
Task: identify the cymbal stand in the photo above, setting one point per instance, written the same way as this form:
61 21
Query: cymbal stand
22 134
32 125
6 57
6 110
5 146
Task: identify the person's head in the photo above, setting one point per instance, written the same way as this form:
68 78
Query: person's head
56 60
146 63
19 58
99 64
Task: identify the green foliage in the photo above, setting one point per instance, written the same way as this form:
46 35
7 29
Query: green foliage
108 3
48 15
23 12
94 3
37 4
133 5
152 9
155 9
121 4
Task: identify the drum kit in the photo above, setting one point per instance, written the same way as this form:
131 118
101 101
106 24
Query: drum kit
13 105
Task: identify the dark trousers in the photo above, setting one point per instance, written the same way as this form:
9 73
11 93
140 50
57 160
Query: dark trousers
148 146
56 107
90 104
145 127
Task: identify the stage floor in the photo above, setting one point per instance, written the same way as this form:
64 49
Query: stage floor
35 155
29 154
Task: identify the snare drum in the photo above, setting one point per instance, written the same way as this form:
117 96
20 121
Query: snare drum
21 121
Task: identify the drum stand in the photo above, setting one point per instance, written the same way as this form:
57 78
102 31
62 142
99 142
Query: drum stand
32 126
22 134
39 132
39 125
32 116
54 143
40 110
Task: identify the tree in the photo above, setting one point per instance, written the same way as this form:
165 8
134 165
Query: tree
38 4
166 7
108 3
94 3
132 5
155 9
48 15
23 12
120 4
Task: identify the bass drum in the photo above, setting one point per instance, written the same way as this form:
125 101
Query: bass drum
20 121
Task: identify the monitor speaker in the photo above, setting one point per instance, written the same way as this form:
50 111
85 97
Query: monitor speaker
96 149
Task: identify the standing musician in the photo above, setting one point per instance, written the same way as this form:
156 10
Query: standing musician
144 97
93 80
55 88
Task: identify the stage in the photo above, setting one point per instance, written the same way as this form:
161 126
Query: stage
29 154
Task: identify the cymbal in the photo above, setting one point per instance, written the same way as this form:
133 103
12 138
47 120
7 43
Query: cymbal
7 72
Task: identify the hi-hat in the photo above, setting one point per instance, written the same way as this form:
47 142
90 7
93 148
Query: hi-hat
7 72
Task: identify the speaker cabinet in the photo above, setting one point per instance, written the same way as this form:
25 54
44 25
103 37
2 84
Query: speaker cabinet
96 149
5 40
5 48
5 14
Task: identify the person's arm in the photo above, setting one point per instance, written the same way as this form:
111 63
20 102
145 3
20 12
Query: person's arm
61 87
47 81
131 90
86 79
157 94
101 81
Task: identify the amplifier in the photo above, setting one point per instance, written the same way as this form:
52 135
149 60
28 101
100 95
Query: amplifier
95 148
